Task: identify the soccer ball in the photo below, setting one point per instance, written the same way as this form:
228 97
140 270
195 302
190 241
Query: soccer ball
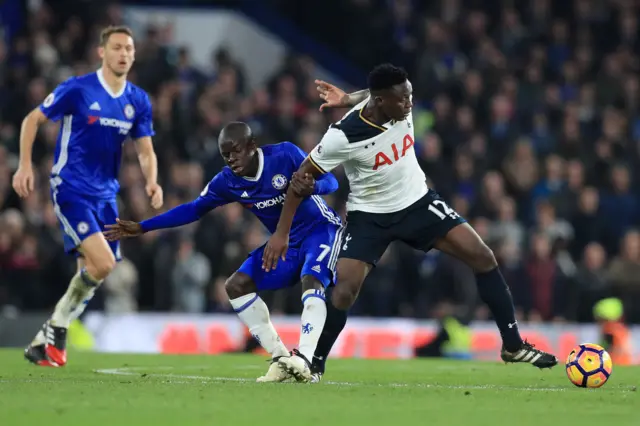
589 366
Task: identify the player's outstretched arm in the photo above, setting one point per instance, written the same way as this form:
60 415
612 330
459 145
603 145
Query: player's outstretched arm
277 245
213 195
334 97
149 165
177 216
23 178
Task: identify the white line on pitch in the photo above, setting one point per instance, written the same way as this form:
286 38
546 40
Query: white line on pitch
127 371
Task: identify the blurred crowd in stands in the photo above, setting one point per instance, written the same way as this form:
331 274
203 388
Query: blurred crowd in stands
527 118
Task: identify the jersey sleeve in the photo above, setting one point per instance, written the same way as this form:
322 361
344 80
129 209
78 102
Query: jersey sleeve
332 150
61 101
215 194
296 154
143 124
325 184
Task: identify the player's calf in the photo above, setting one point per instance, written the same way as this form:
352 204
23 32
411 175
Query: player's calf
253 312
351 273
465 244
314 315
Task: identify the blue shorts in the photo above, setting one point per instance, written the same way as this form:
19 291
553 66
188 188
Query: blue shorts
81 217
316 256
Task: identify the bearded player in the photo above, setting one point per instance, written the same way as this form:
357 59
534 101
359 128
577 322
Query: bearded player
390 201
99 113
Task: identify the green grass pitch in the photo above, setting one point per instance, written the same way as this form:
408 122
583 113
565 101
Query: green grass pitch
99 389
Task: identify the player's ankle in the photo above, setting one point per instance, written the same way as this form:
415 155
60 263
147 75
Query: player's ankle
280 352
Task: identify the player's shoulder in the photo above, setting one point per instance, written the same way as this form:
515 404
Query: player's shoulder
73 83
279 148
137 93
220 181
85 82
355 127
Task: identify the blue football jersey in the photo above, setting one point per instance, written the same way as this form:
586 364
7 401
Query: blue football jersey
95 124
264 195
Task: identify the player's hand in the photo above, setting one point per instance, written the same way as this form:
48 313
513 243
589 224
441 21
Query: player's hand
332 96
23 181
303 185
122 229
154 191
275 249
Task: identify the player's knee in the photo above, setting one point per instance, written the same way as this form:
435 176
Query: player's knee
483 259
310 282
238 285
102 267
344 296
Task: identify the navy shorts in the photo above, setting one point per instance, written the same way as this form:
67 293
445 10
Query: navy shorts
368 235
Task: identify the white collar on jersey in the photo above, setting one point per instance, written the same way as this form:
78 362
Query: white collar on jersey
260 168
106 87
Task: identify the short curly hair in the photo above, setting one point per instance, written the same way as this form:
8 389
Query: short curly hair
384 76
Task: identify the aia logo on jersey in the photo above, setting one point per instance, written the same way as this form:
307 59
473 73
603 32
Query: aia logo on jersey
92 119
384 159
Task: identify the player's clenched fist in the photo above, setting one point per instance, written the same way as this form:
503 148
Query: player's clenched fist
23 181
303 184
154 191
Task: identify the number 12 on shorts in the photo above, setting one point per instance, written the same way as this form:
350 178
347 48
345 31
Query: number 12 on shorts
443 211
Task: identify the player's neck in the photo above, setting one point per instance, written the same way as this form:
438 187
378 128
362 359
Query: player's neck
254 167
375 115
115 83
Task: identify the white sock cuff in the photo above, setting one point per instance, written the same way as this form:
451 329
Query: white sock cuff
318 293
241 303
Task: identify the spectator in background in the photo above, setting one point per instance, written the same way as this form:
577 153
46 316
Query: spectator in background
526 114
590 283
547 286
189 278
624 271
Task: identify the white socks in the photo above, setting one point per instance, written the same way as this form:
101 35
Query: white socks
253 312
81 289
314 314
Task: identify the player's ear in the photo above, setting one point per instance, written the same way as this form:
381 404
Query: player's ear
253 144
101 52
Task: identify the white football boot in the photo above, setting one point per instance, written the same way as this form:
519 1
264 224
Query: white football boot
298 366
276 372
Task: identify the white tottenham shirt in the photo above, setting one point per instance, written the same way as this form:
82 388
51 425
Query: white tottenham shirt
379 161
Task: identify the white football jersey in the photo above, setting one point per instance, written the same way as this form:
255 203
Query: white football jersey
379 161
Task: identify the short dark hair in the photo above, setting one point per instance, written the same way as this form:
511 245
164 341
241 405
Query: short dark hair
384 76
113 29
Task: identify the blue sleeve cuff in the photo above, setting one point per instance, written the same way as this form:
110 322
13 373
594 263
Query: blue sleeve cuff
326 184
